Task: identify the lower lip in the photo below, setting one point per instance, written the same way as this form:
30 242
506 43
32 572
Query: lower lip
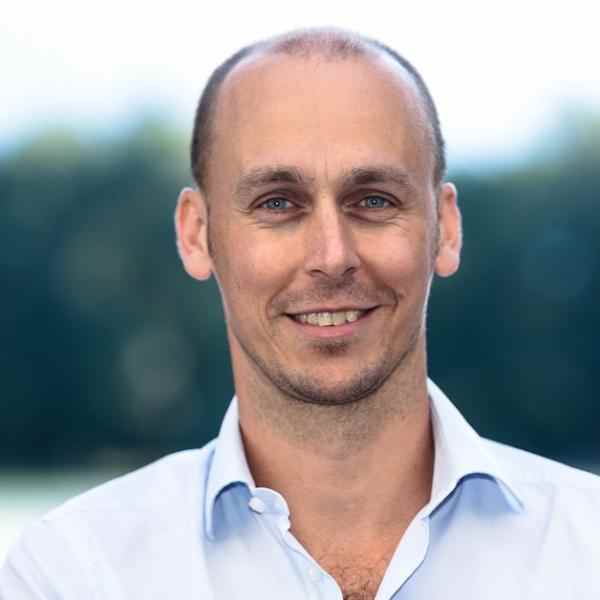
333 331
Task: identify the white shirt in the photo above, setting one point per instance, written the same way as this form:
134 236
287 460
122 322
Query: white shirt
501 524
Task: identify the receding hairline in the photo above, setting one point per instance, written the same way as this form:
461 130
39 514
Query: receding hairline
324 43
365 52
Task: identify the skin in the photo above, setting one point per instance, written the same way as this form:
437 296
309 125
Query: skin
352 220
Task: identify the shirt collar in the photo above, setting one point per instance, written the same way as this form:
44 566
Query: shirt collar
228 466
459 452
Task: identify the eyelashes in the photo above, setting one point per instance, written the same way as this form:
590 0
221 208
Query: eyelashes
371 202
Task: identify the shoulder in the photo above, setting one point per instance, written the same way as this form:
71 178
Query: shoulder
165 493
566 491
560 517
170 480
529 468
70 552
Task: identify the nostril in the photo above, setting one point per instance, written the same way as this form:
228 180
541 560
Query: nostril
330 272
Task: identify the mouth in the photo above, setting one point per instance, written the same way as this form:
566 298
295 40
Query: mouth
336 318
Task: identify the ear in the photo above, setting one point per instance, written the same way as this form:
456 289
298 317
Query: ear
447 260
191 226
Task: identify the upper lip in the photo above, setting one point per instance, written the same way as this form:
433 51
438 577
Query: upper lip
330 309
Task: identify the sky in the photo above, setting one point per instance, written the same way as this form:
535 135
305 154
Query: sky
500 72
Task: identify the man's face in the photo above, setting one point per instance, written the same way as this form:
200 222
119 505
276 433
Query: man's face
323 224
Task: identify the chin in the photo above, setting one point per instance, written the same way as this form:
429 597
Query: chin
327 391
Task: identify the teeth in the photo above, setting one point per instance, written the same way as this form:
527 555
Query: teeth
324 319
338 318
313 318
328 319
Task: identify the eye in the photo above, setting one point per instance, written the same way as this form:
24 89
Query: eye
276 204
375 202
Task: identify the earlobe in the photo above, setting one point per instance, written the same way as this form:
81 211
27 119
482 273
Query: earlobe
450 232
191 226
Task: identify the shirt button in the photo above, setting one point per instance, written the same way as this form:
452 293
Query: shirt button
314 574
257 505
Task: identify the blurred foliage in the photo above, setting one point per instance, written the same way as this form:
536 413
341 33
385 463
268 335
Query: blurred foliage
111 353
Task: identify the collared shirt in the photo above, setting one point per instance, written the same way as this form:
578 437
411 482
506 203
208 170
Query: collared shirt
501 523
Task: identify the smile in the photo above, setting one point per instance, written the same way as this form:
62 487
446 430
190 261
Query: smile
329 319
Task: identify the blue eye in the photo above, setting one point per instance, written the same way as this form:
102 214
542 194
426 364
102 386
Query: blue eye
375 202
275 204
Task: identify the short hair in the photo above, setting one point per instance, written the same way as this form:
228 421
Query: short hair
327 42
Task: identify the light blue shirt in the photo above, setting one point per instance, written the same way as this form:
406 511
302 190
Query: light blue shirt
501 524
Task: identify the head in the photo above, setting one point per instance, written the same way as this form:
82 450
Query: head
321 209
327 43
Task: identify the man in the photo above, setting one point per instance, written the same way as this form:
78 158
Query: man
340 470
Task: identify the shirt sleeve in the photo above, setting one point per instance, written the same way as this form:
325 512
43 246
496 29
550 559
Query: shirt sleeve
40 566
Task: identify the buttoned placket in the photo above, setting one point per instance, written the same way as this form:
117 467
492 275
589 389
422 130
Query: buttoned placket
272 509
410 553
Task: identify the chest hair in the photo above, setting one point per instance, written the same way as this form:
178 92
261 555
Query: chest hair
358 579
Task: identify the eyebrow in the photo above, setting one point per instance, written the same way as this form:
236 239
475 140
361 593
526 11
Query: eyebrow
357 176
261 176
367 175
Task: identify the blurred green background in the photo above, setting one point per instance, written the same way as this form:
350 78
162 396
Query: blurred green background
111 356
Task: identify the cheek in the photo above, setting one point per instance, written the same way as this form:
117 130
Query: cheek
401 262
250 270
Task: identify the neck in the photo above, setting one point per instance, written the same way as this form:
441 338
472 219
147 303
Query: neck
364 469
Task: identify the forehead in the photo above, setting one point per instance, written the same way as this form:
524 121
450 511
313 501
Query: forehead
319 114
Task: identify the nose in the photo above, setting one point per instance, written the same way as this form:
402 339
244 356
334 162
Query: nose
330 243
